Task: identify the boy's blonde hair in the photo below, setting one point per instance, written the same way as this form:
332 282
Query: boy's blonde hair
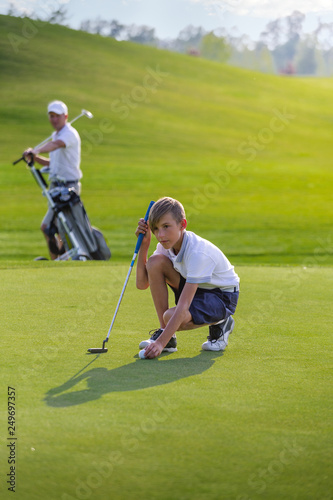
164 206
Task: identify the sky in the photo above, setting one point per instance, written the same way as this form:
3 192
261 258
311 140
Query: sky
169 17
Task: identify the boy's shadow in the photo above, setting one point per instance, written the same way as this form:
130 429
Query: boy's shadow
132 377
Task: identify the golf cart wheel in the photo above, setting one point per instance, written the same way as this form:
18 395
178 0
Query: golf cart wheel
82 257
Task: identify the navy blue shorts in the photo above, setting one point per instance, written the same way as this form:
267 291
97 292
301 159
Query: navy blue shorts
209 306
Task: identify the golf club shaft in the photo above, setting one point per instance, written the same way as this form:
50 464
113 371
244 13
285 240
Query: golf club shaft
72 121
136 251
83 113
120 299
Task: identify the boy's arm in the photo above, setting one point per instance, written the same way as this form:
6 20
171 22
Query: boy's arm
181 315
141 272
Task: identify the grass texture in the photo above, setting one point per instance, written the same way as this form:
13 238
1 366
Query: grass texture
249 155
252 422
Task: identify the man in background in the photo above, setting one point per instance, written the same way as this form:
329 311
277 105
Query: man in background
64 165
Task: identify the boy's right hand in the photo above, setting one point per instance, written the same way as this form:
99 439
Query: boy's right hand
143 228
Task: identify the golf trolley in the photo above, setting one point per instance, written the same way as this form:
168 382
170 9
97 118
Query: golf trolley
80 240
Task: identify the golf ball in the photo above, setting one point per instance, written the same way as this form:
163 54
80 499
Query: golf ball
142 354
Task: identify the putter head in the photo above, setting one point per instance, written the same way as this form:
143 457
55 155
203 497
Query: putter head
87 113
97 350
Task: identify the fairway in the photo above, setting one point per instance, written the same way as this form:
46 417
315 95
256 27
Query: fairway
249 156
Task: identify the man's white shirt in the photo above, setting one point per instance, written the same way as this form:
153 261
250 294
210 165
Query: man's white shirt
65 162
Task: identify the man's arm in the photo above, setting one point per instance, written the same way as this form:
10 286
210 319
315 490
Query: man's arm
181 316
46 148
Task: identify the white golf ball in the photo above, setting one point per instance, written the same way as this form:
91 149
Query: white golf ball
142 354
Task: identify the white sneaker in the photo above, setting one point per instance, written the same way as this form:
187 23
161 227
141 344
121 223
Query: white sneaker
218 335
170 347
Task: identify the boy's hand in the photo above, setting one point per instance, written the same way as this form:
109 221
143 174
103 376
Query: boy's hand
142 281
153 350
143 228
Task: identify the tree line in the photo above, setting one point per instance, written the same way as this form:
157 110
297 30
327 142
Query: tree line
283 47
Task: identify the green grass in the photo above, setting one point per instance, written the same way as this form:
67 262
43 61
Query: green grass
252 423
177 138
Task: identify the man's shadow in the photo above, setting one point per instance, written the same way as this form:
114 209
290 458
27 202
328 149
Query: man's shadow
141 374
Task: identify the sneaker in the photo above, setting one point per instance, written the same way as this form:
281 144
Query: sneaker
170 347
218 335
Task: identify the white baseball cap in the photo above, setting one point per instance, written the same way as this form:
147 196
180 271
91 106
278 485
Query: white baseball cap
57 107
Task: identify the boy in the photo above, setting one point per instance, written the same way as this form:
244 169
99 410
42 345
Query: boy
204 282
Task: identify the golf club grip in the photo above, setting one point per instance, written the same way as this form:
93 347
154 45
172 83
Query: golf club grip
141 236
17 161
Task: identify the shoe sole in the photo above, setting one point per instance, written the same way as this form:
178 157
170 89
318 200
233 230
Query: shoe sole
207 348
143 344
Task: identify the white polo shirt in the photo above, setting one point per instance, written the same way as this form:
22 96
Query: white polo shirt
65 162
199 261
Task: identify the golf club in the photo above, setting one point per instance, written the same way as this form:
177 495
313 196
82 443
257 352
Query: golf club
84 112
97 350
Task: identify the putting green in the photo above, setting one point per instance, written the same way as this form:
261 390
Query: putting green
253 422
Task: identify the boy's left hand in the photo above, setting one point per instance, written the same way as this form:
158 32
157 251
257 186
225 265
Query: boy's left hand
144 229
153 350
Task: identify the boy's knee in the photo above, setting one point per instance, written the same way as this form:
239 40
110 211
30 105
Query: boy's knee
168 315
157 261
43 228
186 324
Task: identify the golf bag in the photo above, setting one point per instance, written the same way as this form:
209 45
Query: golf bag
80 240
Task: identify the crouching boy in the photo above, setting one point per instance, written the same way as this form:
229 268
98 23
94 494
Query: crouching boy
204 282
